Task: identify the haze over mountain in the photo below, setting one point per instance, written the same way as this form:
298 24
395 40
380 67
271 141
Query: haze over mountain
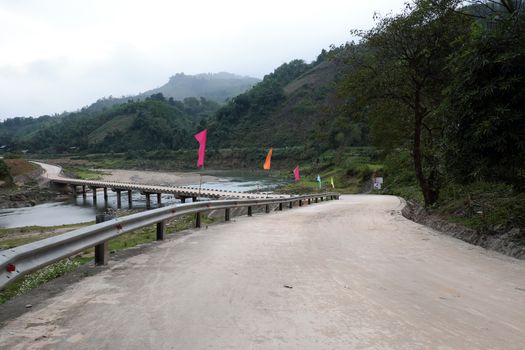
217 87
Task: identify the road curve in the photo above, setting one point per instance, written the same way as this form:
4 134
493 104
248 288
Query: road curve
347 274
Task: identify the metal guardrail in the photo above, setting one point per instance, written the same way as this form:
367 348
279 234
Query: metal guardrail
21 260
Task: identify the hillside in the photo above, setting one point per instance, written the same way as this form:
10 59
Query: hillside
295 105
155 123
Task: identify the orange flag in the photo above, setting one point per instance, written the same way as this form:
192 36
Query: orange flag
268 160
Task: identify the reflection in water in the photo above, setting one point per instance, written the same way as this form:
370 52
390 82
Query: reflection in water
81 209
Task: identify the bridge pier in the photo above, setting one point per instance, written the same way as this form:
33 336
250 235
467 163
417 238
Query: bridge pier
74 190
183 199
267 208
249 211
148 201
130 199
84 191
227 214
193 199
159 199
315 199
300 203
309 201
94 190
119 199
280 206
105 194
290 205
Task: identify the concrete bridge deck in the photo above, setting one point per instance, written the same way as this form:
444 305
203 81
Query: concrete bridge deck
348 274
178 191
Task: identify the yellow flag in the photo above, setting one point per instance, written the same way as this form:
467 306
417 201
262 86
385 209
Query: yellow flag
268 160
332 182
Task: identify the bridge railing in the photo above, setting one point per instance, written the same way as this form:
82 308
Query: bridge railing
21 260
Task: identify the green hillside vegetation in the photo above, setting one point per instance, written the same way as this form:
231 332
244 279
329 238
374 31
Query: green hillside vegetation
441 88
155 123
297 104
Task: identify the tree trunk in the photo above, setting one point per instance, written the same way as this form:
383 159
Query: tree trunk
430 195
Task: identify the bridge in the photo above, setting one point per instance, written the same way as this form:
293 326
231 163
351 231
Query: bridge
180 192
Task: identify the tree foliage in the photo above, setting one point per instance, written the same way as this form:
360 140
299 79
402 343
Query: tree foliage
397 76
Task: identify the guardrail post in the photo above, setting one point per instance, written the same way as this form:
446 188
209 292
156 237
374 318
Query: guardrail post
160 230
130 199
198 219
227 214
267 208
249 211
280 206
102 249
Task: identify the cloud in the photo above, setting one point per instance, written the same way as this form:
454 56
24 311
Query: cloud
61 55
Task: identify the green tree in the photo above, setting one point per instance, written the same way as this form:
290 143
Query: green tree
485 137
397 75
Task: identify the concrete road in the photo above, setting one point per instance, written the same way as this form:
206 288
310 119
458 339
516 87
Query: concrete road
348 274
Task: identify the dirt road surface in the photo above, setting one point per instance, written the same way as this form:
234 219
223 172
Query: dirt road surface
347 274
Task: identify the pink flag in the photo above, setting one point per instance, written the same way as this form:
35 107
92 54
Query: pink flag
201 137
296 173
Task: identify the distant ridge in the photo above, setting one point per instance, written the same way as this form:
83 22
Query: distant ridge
217 87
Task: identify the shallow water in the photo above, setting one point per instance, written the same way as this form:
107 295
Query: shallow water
81 209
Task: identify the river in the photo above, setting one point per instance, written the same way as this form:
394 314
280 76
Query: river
80 209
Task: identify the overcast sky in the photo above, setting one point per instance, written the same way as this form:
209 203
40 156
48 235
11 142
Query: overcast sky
59 55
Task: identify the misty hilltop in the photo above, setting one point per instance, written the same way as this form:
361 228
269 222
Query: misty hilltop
217 87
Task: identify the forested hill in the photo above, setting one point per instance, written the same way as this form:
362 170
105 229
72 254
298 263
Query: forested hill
296 105
155 123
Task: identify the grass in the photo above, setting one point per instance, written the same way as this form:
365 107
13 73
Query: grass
83 173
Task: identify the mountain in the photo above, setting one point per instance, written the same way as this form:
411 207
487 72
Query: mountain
296 105
217 87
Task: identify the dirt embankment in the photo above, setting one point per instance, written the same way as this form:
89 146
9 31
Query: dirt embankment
507 242
25 189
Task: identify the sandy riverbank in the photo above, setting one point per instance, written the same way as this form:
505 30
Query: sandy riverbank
156 177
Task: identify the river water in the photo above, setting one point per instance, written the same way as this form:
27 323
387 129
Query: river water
81 209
